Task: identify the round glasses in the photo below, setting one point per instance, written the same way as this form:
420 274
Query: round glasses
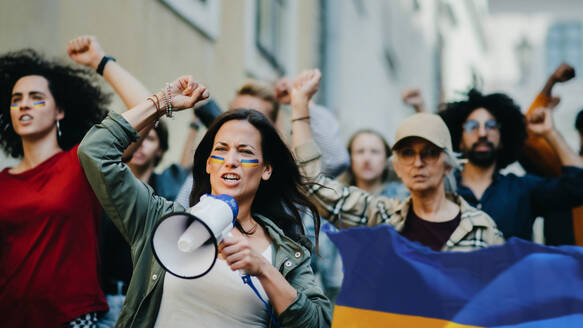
472 126
409 155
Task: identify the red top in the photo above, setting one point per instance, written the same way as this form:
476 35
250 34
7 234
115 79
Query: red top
49 219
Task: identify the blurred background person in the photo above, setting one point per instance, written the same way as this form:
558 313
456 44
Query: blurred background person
489 131
369 166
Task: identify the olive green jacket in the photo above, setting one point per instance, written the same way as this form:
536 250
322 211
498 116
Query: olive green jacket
135 210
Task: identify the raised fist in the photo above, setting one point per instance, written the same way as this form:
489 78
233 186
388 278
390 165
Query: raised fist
85 50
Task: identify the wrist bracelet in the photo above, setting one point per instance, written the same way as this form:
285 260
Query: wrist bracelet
168 101
300 118
102 63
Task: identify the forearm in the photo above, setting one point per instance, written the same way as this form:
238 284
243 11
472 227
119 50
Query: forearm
122 195
188 150
567 156
301 131
281 294
548 87
131 91
143 115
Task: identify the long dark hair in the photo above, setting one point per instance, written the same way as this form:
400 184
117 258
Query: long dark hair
281 198
74 90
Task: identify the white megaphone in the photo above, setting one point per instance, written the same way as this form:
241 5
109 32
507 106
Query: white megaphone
186 243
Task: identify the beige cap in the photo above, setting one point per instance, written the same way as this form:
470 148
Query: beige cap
427 126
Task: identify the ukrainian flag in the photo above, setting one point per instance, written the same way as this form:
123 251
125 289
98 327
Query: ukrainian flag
392 282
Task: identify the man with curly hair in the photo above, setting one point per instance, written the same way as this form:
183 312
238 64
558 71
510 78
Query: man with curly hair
489 131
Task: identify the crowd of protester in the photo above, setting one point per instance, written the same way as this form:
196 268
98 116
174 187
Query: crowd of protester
79 208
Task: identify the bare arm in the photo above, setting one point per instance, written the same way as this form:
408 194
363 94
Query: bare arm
86 51
540 123
188 151
563 73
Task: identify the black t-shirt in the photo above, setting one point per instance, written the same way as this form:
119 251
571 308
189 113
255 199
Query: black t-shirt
431 234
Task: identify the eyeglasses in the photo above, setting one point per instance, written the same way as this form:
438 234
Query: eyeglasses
428 155
472 126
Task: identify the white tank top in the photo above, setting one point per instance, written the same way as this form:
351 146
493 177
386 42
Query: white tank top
217 299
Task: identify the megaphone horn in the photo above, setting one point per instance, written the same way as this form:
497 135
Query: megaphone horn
186 243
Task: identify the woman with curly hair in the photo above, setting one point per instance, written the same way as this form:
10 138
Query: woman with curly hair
49 216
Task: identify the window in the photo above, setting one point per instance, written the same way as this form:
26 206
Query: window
204 15
270 32
565 44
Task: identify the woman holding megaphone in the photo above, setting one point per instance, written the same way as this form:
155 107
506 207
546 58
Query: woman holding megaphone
242 156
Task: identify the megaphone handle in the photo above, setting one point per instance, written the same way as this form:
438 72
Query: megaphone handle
247 280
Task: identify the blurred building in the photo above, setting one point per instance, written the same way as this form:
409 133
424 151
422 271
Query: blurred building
374 49
221 43
368 50
529 39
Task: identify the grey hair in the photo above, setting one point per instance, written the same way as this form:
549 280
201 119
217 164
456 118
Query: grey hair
452 161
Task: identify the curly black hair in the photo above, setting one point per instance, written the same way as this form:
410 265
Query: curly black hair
506 112
75 91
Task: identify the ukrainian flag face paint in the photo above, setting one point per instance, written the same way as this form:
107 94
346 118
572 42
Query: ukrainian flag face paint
38 104
14 106
244 162
217 159
249 162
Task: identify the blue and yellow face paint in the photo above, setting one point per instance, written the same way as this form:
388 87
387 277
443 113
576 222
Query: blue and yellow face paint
244 162
14 106
39 104
217 159
249 162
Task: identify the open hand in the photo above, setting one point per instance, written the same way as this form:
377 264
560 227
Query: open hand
306 84
185 92
239 255
85 50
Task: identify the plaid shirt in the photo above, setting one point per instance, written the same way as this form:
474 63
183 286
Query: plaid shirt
350 206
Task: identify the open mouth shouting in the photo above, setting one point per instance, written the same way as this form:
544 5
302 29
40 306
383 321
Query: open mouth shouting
230 178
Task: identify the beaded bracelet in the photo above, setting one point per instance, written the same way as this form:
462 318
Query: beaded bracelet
169 109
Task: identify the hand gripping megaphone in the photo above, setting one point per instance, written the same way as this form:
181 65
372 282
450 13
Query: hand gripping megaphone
186 243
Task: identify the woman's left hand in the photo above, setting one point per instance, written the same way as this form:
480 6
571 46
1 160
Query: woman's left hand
241 256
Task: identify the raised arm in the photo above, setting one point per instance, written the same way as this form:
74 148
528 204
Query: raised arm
325 131
538 156
564 192
131 204
87 51
351 205
413 97
540 123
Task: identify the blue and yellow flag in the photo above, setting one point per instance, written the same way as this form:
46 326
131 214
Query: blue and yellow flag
392 282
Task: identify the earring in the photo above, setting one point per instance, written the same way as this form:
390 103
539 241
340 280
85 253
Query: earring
58 129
